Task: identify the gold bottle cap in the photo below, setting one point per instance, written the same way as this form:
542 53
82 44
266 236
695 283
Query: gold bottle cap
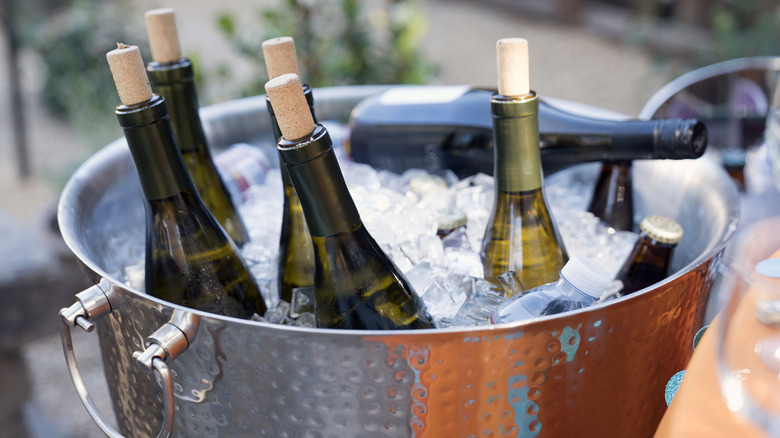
424 184
661 229
450 218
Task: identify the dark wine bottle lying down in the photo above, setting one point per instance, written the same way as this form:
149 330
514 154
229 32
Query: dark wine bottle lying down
436 128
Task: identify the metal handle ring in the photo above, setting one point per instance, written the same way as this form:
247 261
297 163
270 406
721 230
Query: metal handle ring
159 366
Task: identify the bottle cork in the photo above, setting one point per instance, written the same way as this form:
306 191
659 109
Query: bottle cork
280 57
127 67
289 103
163 35
512 57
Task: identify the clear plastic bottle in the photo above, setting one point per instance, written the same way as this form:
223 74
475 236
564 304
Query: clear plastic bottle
582 281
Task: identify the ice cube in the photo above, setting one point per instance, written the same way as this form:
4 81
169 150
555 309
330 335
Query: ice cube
422 275
456 239
424 249
511 283
278 314
458 321
443 299
135 275
464 261
306 319
363 175
302 301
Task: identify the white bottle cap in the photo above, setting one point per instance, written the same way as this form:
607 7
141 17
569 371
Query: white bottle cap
586 275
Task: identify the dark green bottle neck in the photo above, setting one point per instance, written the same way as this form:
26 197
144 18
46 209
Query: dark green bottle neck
175 82
517 165
153 146
319 183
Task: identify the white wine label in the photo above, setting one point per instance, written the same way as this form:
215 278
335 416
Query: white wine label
412 95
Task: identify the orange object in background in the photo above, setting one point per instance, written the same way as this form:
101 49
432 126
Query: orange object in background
699 408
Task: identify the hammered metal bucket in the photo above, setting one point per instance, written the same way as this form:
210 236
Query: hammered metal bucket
597 372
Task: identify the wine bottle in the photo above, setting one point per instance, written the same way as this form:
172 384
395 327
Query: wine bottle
435 128
172 77
356 285
570 138
190 259
613 197
296 255
521 235
648 262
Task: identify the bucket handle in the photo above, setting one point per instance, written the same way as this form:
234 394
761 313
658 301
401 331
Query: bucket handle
93 303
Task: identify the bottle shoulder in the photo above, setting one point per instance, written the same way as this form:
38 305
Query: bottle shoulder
185 213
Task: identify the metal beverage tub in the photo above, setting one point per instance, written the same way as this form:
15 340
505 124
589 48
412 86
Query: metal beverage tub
595 372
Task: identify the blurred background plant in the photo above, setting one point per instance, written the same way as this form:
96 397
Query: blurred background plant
74 84
744 28
338 42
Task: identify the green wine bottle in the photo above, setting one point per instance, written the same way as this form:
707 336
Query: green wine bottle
521 235
356 285
296 255
172 77
190 259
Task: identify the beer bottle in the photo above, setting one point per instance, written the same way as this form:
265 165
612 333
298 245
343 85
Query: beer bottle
613 197
648 262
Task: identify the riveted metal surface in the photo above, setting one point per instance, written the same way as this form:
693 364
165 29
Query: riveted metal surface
595 372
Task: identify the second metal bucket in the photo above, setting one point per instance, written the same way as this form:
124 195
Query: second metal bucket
595 372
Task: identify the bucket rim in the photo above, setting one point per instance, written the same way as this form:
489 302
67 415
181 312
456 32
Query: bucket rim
686 80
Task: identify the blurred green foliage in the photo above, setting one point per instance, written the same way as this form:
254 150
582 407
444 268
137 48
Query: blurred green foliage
338 42
71 44
744 28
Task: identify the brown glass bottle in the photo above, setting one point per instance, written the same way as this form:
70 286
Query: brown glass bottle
648 262
613 198
448 220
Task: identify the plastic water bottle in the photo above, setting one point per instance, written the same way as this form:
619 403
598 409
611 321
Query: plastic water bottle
582 281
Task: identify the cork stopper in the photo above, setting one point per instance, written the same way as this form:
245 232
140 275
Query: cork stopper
163 35
289 103
661 229
512 57
280 57
127 67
